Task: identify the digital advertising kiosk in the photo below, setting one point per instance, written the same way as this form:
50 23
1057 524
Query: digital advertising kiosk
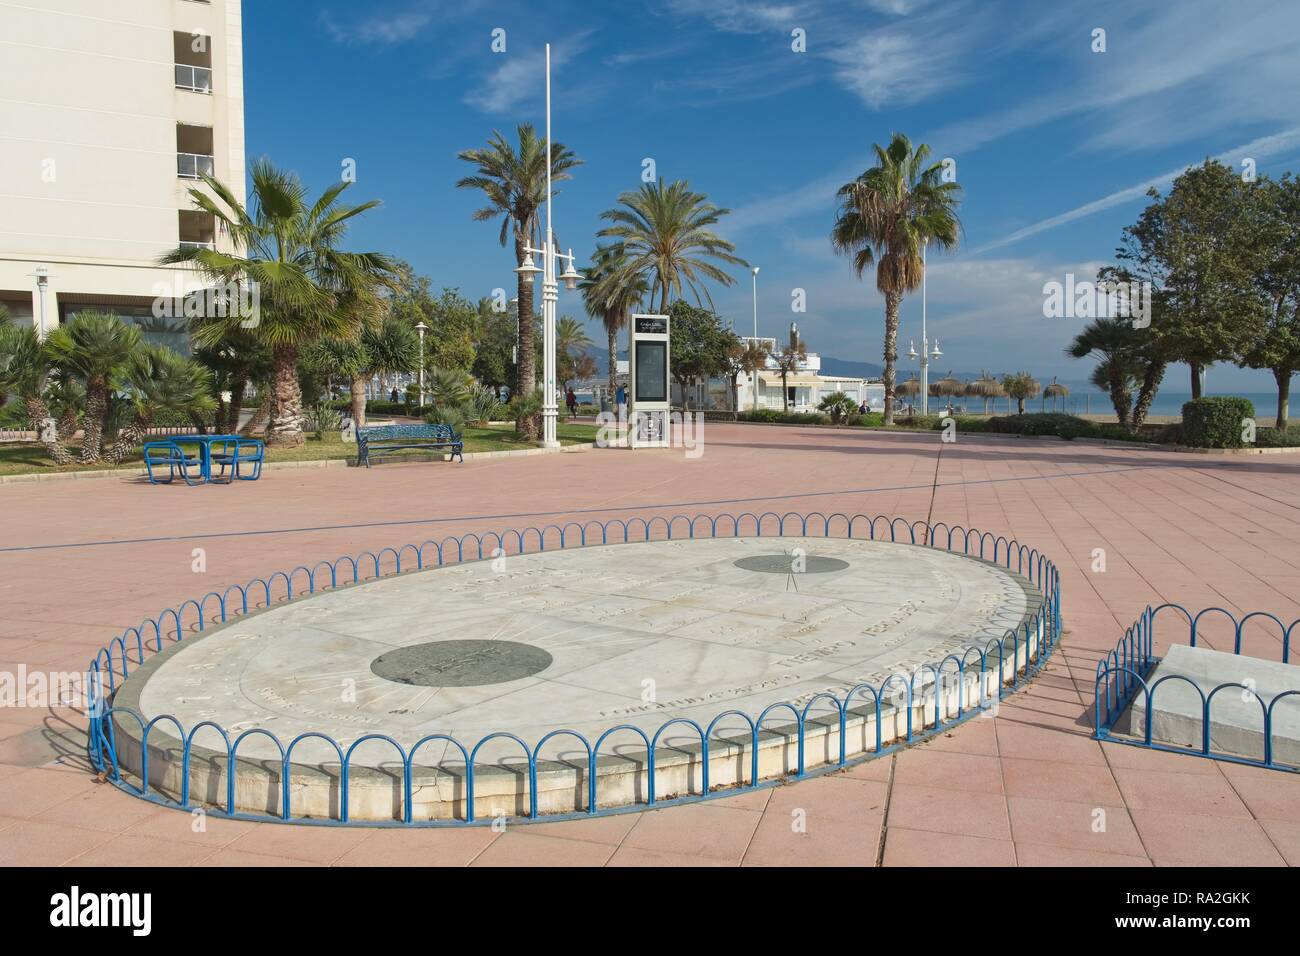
648 374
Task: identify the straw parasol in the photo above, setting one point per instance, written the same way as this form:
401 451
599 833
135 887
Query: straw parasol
911 388
1054 391
985 387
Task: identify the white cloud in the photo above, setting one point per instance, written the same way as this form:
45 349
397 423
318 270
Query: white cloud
396 26
521 76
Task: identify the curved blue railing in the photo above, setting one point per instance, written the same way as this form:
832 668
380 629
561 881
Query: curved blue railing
1034 640
1124 674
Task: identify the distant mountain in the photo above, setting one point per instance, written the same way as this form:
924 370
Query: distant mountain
850 369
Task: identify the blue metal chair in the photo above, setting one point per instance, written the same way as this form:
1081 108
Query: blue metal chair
235 454
169 453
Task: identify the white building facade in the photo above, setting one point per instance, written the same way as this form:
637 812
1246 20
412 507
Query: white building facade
804 388
108 114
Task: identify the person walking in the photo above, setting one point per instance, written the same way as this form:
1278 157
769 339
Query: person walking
571 400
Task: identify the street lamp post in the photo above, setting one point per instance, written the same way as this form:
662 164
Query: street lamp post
926 353
421 328
753 376
550 288
42 276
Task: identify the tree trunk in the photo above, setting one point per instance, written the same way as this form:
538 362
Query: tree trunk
1283 378
1147 393
892 302
38 412
527 378
785 395
1196 379
127 439
613 362
285 428
1119 395
67 424
359 401
238 386
93 428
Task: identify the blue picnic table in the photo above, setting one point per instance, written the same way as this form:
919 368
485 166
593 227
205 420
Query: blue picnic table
235 452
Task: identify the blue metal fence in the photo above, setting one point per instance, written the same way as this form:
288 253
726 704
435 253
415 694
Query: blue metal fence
115 661
1125 672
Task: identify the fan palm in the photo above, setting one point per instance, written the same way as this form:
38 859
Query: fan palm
514 183
1112 342
886 217
95 347
160 380
610 293
289 251
665 232
24 369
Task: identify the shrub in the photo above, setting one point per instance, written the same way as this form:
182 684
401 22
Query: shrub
1216 422
838 406
775 416
452 415
1273 438
321 418
1043 423
483 405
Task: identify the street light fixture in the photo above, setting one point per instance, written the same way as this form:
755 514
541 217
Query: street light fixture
550 288
42 277
421 328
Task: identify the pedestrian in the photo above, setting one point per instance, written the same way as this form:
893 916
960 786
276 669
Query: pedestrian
571 400
621 398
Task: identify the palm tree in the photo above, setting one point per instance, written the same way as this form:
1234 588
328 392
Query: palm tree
158 380
1111 342
752 361
664 232
392 348
1021 386
289 251
610 294
95 347
514 182
886 217
24 368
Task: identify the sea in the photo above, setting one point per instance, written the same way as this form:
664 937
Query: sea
1090 401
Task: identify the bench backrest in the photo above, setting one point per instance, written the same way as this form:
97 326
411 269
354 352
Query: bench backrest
382 432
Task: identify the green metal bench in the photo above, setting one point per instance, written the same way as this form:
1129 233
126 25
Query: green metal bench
379 441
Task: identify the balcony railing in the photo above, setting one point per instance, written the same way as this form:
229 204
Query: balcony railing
193 165
191 244
195 78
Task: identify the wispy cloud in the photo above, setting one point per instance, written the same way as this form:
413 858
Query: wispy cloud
396 25
521 76
1257 149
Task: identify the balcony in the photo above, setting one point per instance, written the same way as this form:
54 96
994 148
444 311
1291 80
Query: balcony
198 229
196 79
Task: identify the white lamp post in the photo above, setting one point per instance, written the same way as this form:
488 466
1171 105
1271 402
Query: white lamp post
422 328
550 288
42 277
926 352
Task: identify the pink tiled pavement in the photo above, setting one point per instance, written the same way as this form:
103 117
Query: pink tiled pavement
1025 787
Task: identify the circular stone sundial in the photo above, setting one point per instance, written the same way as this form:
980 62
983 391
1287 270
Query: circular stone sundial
582 639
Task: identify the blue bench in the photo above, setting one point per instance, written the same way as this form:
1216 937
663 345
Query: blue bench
378 441
239 455
170 454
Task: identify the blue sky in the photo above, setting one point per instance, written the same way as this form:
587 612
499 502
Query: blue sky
1054 144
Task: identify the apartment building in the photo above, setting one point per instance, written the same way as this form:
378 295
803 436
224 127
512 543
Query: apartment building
108 114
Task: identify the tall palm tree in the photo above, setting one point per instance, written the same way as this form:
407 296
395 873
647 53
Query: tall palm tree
289 250
392 347
514 183
95 347
885 218
157 380
24 369
610 293
665 232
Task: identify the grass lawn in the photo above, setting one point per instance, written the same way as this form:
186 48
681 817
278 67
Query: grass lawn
27 457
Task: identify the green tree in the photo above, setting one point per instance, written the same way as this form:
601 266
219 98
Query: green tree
96 347
886 217
699 344
1113 343
1275 341
494 361
744 357
514 184
158 380
788 361
571 359
665 232
838 406
1021 386
24 371
289 251
610 293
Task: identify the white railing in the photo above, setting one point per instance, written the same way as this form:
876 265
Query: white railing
193 165
188 244
197 79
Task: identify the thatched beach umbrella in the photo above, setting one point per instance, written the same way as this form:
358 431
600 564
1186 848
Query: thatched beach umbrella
985 387
1054 391
948 386
910 389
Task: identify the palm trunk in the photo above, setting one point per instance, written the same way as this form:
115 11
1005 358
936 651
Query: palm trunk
1283 378
54 447
1147 393
127 439
260 417
785 395
892 302
613 362
92 441
526 383
359 401
67 424
285 428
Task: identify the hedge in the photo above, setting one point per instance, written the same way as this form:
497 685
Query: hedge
1216 422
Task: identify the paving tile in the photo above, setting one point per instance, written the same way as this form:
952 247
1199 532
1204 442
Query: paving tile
1195 793
423 846
949 811
904 847
1079 826
126 850
1057 780
519 848
29 843
923 766
1194 839
700 829
314 844
1036 854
